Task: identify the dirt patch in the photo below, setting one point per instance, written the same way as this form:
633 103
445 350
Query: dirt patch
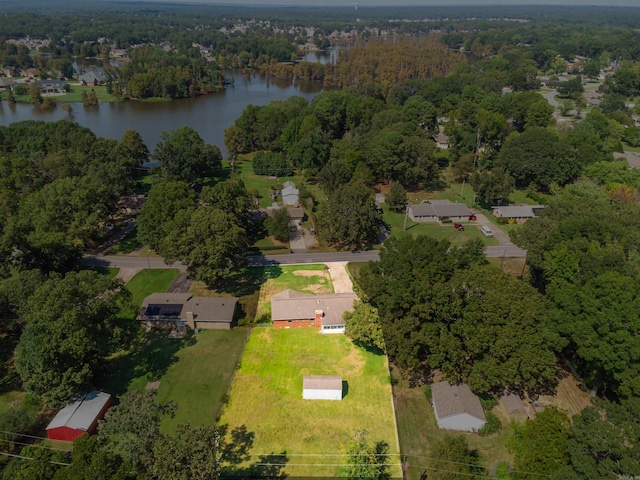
311 273
356 360
317 289
126 274
340 278
569 396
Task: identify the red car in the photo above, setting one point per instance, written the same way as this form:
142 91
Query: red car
459 227
472 218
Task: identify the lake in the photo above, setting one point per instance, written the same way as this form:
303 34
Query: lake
210 115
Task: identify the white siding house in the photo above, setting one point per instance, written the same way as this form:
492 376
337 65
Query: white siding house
320 387
457 408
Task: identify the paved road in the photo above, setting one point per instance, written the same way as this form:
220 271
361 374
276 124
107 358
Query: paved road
551 98
126 261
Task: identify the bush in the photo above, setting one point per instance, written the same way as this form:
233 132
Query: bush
488 402
427 392
272 164
493 425
501 221
446 220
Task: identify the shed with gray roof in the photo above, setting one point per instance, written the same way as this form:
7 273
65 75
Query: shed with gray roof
321 387
514 406
80 416
457 408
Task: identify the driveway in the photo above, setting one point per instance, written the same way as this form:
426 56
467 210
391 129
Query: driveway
296 241
551 98
339 277
498 234
126 274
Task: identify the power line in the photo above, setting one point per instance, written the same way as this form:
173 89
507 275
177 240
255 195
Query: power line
23 435
31 458
34 445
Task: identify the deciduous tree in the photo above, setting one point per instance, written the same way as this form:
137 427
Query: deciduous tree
184 156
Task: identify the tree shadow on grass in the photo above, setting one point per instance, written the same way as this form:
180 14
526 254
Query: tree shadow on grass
9 379
246 285
236 456
150 356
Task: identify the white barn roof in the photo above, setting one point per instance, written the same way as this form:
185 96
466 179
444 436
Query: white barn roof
322 382
80 413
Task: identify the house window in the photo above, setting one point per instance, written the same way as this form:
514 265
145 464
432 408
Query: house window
290 321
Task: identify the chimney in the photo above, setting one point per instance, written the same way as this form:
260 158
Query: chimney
319 315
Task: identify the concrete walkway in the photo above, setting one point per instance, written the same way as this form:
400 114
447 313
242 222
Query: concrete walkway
339 277
498 234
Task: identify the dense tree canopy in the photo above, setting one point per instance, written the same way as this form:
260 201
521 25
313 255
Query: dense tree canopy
71 325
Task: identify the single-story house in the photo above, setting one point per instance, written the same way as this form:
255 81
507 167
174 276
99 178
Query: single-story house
291 309
296 214
79 416
438 210
520 213
6 83
29 72
183 309
456 407
92 78
290 194
632 158
514 406
442 140
53 86
321 387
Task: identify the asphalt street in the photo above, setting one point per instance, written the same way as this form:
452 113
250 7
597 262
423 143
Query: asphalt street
131 261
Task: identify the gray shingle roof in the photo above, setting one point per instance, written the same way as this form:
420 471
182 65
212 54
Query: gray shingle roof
321 382
518 211
175 305
292 305
513 404
81 412
440 209
455 399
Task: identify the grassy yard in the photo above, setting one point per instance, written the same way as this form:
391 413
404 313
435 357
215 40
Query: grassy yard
150 281
418 430
305 279
271 246
436 230
261 183
128 244
267 415
75 95
194 371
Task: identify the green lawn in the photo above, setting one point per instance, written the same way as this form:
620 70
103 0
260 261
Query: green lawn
128 244
417 430
433 229
302 278
261 183
150 281
268 415
194 371
74 96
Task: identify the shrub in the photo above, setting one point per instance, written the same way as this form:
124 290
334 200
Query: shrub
501 221
446 220
488 402
493 425
427 392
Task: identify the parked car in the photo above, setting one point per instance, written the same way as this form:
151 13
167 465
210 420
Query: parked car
459 227
486 231
472 218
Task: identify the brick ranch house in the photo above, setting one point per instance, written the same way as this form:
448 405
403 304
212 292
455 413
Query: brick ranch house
291 309
177 310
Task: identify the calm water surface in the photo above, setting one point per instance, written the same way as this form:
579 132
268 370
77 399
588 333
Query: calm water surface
209 115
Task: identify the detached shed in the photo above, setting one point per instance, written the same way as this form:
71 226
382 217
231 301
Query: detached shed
457 408
514 406
321 387
79 417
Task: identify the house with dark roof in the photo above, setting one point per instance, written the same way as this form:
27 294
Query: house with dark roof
520 213
92 78
80 416
52 86
321 387
291 309
442 139
175 310
438 210
456 407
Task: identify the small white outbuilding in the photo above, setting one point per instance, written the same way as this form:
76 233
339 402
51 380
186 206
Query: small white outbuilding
457 408
321 387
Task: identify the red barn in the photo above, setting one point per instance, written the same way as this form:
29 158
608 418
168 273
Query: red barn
80 416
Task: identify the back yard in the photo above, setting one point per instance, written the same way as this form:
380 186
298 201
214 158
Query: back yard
266 401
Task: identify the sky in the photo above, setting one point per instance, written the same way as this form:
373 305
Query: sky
391 3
